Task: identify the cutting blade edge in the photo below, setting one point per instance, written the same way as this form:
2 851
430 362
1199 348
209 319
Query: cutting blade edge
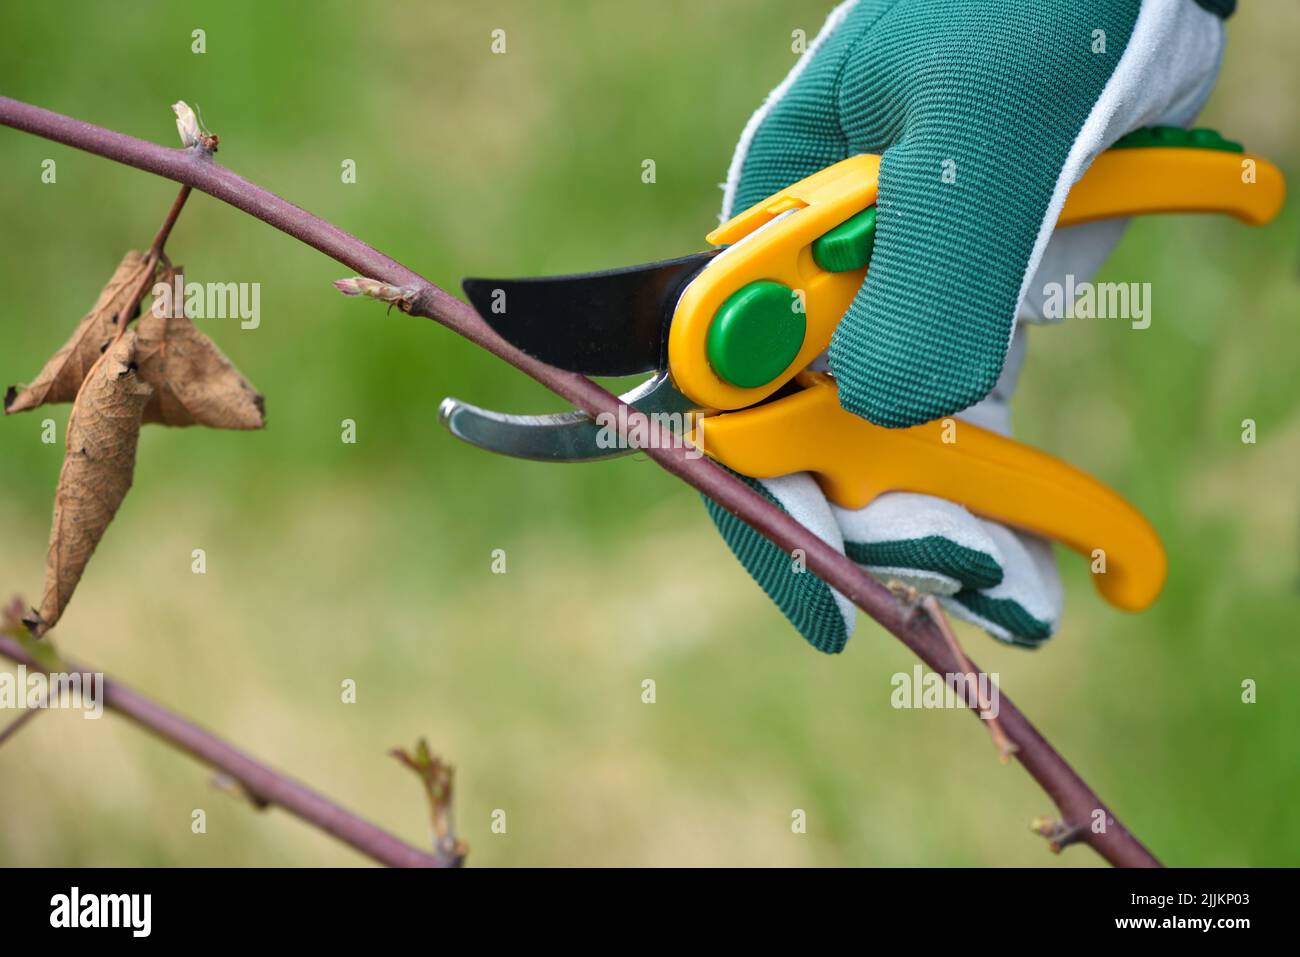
608 323
564 437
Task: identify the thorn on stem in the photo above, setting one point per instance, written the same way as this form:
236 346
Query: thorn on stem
906 594
1006 747
1059 834
402 297
436 775
237 789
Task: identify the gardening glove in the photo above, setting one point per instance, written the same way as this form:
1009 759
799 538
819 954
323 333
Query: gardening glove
985 112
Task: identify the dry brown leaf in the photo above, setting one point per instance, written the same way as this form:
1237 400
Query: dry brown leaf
67 368
97 469
194 383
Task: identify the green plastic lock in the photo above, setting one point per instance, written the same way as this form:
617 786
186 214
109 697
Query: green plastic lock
756 333
847 246
1202 138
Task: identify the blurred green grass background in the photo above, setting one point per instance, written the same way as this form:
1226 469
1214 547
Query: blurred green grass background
371 561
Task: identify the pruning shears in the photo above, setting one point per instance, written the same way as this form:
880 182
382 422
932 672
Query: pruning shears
730 333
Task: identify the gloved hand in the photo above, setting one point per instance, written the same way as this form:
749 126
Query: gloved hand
986 113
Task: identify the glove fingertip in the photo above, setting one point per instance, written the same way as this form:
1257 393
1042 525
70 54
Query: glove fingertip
821 615
897 384
1003 618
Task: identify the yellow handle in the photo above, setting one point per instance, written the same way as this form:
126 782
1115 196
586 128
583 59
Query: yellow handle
1122 182
1163 179
993 476
856 461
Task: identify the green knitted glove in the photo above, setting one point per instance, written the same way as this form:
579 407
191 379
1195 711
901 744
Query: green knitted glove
986 113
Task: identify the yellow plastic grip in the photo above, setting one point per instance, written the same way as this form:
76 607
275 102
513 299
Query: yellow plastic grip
1123 182
996 477
1163 179
782 253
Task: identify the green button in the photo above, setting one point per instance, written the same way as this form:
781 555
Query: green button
1202 138
848 245
756 333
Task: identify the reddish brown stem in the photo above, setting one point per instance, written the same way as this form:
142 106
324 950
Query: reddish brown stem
1076 801
164 231
264 784
154 253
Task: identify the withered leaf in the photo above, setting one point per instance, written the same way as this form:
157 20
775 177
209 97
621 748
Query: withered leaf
98 465
194 383
67 368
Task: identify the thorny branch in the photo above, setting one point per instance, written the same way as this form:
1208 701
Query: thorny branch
1078 804
264 785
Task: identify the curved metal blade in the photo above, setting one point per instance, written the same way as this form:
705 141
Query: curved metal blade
566 437
610 323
